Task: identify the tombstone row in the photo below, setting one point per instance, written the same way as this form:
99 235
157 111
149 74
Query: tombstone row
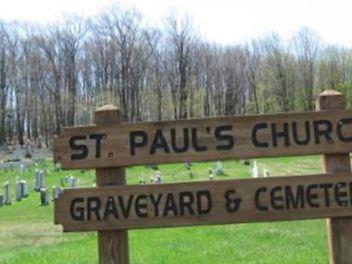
157 178
22 190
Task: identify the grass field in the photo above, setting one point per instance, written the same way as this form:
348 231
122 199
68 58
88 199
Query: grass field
28 235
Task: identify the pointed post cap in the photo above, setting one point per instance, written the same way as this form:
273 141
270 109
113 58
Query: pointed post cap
107 107
330 100
107 114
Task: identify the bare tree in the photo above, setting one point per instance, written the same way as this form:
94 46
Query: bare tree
306 44
254 72
122 29
234 80
3 83
69 37
51 49
180 36
278 62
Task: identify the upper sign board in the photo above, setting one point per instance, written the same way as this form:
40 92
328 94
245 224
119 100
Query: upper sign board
321 132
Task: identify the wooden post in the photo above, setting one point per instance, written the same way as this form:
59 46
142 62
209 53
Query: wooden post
339 229
113 245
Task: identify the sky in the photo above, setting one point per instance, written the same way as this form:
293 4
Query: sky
221 21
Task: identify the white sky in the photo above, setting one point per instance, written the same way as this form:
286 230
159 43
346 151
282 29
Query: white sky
223 21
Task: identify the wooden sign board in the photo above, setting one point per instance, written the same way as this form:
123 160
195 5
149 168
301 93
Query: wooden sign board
205 139
200 203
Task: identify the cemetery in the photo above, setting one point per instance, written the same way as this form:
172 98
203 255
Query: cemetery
28 234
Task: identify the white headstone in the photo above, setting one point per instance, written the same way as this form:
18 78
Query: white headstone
211 176
157 177
219 168
24 188
255 173
42 178
18 191
7 194
39 180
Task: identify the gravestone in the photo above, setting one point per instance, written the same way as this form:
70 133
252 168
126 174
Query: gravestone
1 200
28 149
72 182
266 173
24 188
254 169
39 180
18 191
157 178
219 168
7 193
16 156
44 197
57 191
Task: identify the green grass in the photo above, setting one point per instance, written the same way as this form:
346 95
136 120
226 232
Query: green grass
28 235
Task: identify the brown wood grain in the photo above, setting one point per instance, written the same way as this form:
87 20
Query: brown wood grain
245 189
112 245
339 229
116 150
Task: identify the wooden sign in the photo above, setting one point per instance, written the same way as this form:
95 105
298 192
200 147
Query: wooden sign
113 208
205 139
200 203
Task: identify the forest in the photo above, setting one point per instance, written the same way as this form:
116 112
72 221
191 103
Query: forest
55 75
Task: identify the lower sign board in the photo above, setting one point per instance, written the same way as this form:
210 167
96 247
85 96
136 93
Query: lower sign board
200 203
